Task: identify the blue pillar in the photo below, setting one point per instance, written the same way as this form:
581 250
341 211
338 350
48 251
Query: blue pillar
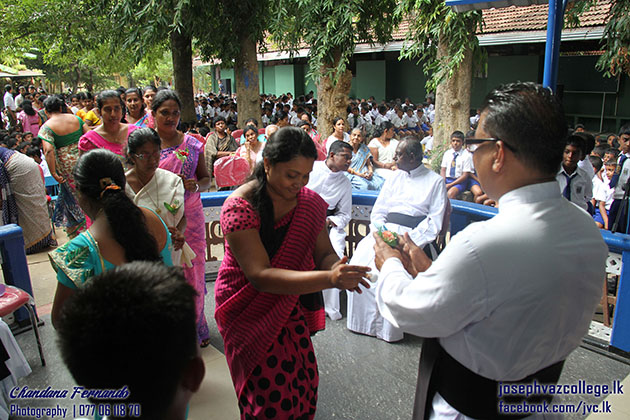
552 47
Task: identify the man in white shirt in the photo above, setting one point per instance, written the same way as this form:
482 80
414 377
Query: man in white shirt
575 184
205 110
509 298
9 104
328 179
413 199
20 97
619 179
456 166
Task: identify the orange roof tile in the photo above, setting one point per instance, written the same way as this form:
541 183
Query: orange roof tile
524 18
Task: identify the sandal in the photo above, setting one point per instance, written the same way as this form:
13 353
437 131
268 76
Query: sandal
204 343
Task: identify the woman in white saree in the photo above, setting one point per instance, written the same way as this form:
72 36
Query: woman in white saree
157 189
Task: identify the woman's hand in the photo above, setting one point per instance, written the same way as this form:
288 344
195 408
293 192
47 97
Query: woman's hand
348 277
190 184
177 238
58 177
368 176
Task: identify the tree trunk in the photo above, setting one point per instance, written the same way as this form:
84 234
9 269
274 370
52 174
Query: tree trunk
77 80
332 99
452 100
181 52
247 84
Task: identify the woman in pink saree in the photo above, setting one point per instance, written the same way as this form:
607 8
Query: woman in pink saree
278 259
183 155
111 134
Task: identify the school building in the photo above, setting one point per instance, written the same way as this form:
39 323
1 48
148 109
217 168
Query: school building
514 39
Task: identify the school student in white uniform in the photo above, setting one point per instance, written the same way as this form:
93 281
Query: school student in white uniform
575 184
329 180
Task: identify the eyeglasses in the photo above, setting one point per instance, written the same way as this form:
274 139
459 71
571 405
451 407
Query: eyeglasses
147 156
470 140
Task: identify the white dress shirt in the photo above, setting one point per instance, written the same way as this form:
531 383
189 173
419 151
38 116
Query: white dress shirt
9 102
581 186
463 163
623 177
508 296
602 191
336 190
587 166
380 119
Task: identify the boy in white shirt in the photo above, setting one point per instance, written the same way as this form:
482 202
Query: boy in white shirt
575 184
602 193
456 166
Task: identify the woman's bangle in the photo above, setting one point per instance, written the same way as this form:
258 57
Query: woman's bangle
196 186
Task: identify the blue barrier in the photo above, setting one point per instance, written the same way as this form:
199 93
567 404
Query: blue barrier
14 265
464 213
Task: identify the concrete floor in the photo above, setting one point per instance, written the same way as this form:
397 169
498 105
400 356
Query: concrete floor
360 377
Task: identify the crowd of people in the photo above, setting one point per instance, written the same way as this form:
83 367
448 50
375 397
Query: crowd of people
130 174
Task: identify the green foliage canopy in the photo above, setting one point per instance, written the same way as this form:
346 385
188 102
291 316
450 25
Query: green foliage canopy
432 22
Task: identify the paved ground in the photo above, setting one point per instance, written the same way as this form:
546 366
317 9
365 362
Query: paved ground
361 378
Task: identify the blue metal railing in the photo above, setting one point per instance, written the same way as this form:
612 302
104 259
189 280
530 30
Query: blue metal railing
464 213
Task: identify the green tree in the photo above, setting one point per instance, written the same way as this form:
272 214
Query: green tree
70 44
445 43
220 29
616 38
331 29
616 57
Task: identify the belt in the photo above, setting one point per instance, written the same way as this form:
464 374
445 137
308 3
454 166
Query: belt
404 219
330 212
469 393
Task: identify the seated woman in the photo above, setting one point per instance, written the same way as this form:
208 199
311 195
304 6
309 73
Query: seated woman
268 298
252 149
111 134
339 133
121 232
157 189
383 148
254 122
361 171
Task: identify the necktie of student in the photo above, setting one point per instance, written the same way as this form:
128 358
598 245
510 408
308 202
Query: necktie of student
615 178
453 165
567 190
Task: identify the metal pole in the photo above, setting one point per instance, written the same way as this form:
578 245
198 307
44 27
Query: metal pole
552 47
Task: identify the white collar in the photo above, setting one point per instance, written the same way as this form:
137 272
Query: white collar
529 194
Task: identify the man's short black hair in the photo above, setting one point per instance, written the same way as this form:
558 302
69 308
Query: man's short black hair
338 146
597 162
7 88
625 129
589 141
458 135
529 118
217 119
577 141
612 151
133 325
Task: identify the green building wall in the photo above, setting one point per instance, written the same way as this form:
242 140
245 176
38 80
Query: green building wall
585 90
